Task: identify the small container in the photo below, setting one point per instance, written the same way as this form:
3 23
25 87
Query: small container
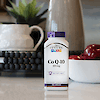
56 67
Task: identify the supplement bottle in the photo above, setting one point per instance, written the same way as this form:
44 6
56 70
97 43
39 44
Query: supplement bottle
56 68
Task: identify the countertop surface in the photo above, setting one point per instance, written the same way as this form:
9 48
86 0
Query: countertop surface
21 88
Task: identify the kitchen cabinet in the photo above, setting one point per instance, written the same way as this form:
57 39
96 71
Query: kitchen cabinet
2 5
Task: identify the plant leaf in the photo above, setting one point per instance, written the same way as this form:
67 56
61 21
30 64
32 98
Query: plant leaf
21 8
41 20
21 20
12 13
15 7
40 15
33 8
29 10
33 4
8 8
39 8
24 2
35 21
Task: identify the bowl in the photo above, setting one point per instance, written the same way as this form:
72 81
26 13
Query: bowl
87 71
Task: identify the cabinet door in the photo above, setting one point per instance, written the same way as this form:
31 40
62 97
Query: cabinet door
2 5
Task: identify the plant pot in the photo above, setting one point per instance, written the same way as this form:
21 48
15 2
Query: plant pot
35 36
16 37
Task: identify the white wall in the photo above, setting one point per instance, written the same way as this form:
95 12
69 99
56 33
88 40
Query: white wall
91 12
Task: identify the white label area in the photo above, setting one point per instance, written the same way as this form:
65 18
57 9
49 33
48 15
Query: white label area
56 64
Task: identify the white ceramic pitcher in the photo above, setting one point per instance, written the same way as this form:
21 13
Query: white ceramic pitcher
17 37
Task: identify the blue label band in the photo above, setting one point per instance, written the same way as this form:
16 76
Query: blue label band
56 85
56 34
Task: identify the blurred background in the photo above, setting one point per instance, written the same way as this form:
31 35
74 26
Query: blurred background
91 18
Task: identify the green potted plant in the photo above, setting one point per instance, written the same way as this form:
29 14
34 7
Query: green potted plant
27 13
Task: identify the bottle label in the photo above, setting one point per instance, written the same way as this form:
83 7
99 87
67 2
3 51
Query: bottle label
56 65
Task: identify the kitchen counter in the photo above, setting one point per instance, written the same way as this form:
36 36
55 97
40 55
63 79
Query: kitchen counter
21 88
